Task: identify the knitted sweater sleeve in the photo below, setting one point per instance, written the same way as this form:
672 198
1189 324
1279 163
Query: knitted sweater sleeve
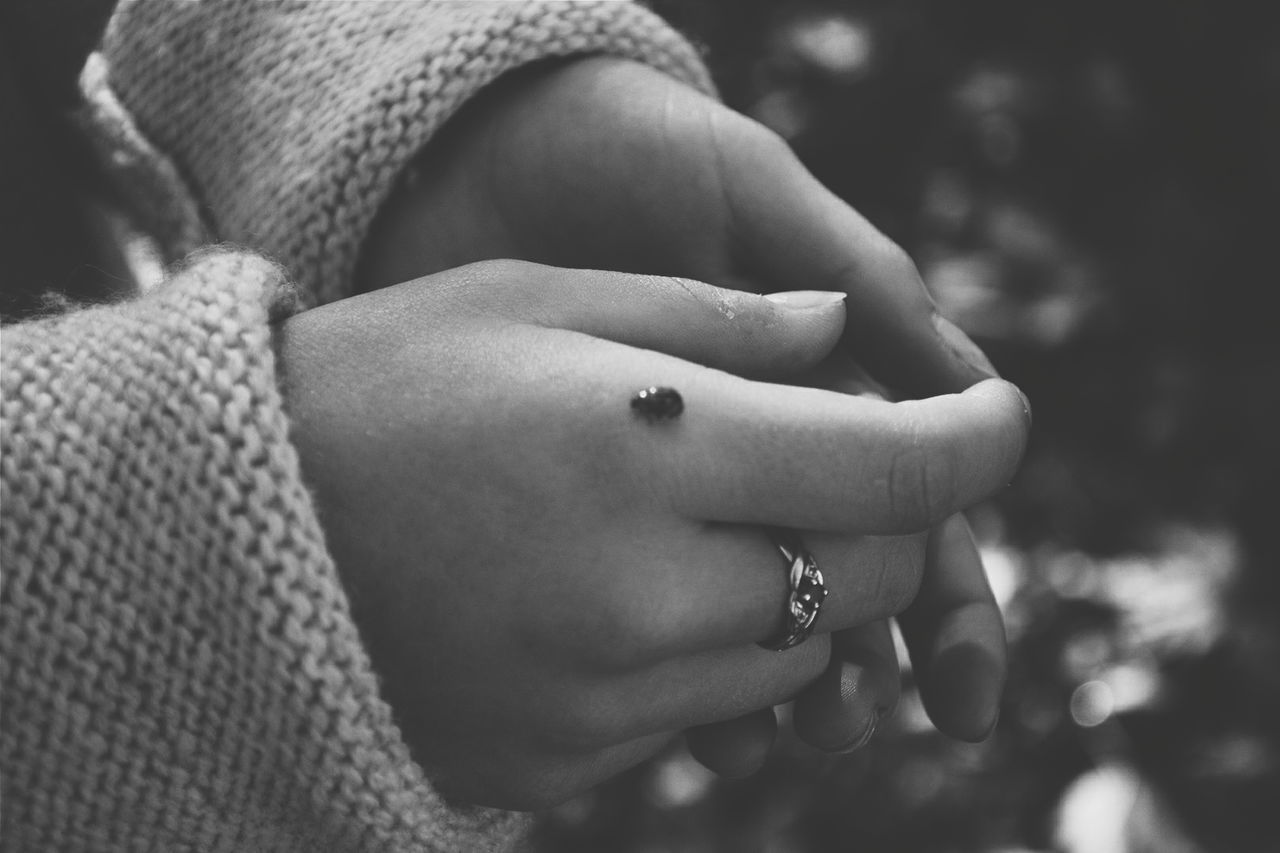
179 665
287 123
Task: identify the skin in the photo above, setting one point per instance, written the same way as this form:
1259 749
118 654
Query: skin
607 164
551 587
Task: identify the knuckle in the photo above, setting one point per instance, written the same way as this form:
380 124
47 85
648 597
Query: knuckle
901 571
920 484
940 482
906 491
893 260
719 306
499 287
500 271
716 306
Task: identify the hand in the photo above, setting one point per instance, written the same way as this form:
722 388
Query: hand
551 587
606 163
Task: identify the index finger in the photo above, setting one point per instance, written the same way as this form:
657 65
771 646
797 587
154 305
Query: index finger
792 229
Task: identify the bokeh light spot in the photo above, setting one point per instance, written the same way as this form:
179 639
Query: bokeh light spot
679 781
1092 704
837 44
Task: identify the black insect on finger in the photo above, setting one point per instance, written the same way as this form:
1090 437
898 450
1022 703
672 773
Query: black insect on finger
657 404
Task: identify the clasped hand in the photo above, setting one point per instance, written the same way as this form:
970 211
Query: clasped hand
552 588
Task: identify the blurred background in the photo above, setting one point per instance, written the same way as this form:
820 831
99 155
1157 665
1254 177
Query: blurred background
1090 189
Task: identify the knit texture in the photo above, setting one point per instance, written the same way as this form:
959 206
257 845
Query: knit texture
180 668
290 121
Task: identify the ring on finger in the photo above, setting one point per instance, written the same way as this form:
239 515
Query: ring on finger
806 591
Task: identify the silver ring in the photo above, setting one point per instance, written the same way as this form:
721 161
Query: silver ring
806 592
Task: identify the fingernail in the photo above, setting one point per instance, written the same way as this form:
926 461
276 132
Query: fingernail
861 740
806 300
963 348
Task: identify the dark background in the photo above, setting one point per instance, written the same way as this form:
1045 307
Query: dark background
1089 189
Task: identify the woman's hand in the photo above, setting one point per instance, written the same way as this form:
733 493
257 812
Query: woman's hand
606 163
552 587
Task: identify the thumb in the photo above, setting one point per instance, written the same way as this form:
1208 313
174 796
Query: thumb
731 330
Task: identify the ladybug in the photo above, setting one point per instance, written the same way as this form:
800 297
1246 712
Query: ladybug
658 404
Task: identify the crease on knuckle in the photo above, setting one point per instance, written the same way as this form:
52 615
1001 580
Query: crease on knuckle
495 288
898 261
722 305
892 262
920 483
905 489
902 570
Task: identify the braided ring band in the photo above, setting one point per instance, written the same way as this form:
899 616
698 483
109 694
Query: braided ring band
806 593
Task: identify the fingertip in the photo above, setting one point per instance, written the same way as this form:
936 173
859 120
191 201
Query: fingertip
840 713
992 387
1002 390
961 690
805 325
1015 417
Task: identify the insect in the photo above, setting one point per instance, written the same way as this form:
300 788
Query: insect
657 404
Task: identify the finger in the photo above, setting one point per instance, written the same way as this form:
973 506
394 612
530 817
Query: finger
840 711
955 635
868 578
792 229
746 451
752 452
735 748
715 587
742 333
698 689
829 461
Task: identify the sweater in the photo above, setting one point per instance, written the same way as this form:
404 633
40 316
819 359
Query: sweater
179 665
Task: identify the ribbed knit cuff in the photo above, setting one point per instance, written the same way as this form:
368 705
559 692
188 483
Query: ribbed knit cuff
290 121
180 669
